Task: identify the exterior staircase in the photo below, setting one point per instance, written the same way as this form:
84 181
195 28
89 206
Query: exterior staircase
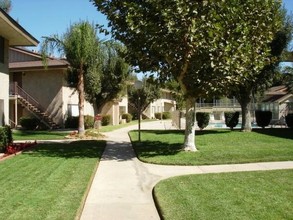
33 106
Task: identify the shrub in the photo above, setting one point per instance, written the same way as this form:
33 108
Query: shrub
8 132
158 115
71 122
166 115
127 116
231 119
289 120
5 137
29 123
88 121
106 120
202 119
263 118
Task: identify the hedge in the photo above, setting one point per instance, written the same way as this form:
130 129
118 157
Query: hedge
202 119
127 116
231 119
263 118
29 123
289 120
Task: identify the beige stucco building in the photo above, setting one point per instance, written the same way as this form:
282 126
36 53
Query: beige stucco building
11 34
166 103
47 88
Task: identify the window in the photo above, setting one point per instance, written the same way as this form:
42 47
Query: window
73 110
1 50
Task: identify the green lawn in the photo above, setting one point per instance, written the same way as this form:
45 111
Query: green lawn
38 135
260 195
215 146
48 182
59 135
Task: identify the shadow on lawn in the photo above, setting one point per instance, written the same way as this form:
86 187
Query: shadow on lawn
181 132
75 149
276 132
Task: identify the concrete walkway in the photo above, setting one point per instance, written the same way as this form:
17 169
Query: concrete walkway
122 186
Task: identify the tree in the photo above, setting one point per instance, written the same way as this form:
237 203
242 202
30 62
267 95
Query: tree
288 78
109 82
79 44
143 97
5 5
263 55
190 41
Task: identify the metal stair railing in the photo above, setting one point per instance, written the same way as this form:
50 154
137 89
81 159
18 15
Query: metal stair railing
32 105
18 91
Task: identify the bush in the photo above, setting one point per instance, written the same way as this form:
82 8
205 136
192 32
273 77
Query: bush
106 120
289 120
263 118
29 123
158 115
127 116
71 122
5 137
166 115
88 121
202 119
231 119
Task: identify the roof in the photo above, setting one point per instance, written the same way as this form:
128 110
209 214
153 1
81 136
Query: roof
277 90
277 94
15 33
36 63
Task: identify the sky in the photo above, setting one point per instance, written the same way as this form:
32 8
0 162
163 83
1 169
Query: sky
49 17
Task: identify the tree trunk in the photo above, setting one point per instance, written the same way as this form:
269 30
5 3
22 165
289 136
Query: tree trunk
189 139
80 89
244 99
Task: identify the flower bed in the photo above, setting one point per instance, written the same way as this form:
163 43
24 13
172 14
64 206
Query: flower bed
17 147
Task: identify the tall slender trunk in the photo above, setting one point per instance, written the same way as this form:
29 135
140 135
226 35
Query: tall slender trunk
80 89
189 139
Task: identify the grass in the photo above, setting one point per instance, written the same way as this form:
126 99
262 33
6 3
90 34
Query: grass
59 135
215 146
48 182
39 135
248 195
110 128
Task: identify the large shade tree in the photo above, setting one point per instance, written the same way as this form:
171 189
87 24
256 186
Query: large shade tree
188 41
260 55
80 47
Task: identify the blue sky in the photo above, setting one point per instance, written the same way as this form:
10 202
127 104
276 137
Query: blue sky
48 17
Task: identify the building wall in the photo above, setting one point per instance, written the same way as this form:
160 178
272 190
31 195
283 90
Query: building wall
70 103
4 87
49 88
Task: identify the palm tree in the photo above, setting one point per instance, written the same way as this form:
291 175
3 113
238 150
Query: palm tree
79 44
5 5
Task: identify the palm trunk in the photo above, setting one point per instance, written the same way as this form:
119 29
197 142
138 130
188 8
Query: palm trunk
189 140
80 89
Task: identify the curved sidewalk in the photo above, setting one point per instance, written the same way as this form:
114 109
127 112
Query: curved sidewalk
122 186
